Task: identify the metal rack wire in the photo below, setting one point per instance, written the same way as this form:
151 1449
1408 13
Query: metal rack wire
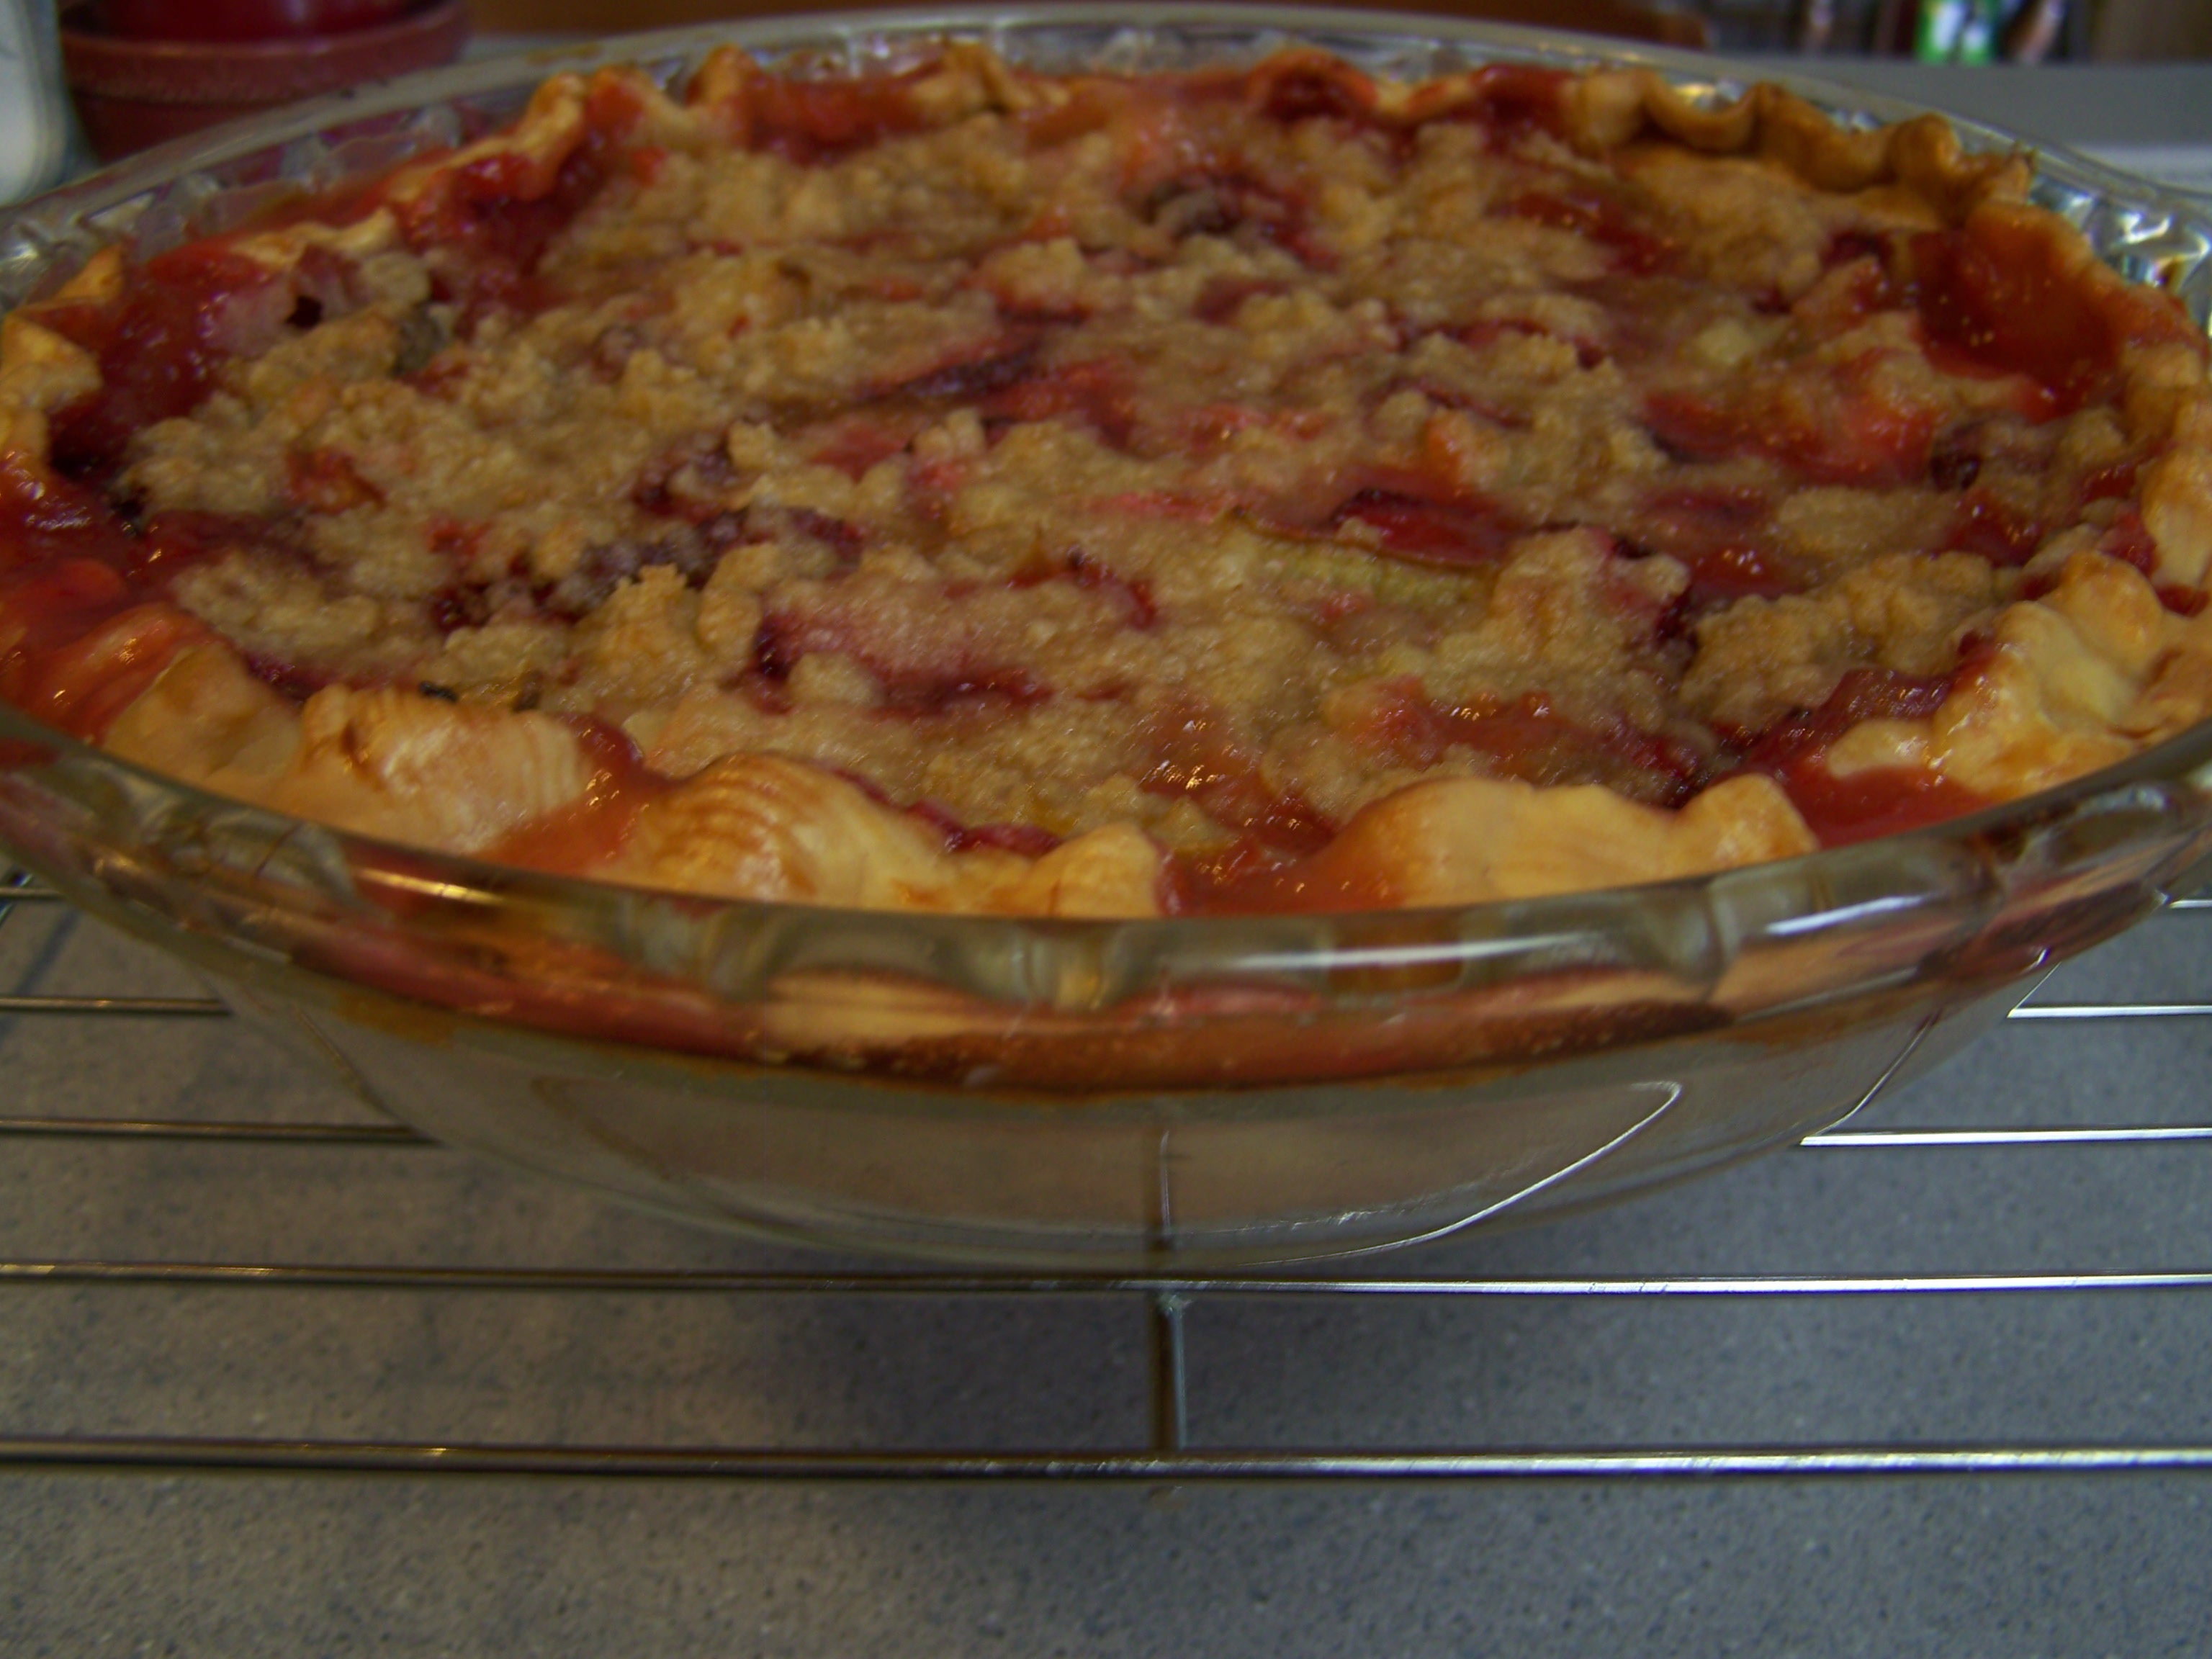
1168 1454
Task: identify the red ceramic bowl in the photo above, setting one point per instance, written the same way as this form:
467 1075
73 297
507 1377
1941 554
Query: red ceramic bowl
242 19
134 93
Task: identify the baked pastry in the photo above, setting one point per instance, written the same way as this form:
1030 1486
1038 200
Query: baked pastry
977 489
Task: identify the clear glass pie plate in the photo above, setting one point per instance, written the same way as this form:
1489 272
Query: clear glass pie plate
1172 1093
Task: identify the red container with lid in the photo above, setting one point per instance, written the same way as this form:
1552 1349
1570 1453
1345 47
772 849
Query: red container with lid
242 19
143 71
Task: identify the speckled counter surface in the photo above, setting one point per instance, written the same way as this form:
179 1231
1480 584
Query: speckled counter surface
2013 1564
125 1563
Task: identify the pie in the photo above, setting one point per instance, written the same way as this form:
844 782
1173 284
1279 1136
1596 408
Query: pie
1250 489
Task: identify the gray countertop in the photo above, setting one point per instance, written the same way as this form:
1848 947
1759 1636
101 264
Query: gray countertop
2003 1564
131 1562
2080 104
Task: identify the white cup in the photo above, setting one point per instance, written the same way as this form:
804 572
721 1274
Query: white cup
34 113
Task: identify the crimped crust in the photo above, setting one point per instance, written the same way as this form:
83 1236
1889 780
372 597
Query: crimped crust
2085 663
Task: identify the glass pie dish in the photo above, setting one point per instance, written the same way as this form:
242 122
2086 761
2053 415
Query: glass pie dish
1187 1092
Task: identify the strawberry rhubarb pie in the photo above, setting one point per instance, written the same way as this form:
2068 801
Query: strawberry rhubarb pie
978 489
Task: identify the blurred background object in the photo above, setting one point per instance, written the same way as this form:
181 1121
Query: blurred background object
33 113
2153 30
241 19
1971 31
1968 31
146 70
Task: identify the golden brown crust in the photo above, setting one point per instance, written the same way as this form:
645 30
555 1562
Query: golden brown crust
2086 674
755 826
1610 109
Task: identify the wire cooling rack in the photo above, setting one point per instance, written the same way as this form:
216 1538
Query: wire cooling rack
1162 1450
